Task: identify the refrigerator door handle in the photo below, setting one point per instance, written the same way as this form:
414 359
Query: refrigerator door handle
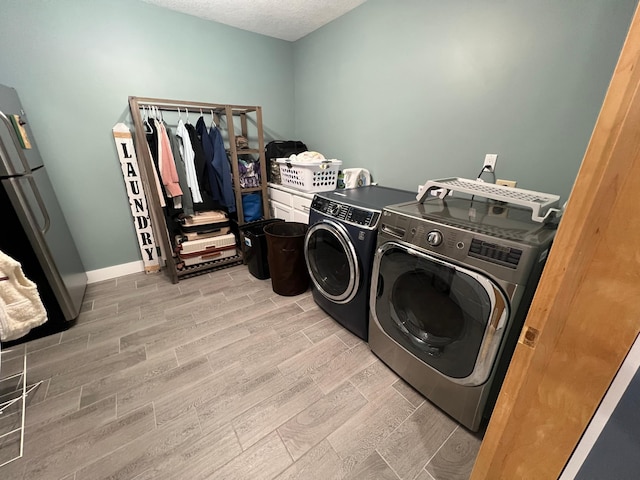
41 205
16 144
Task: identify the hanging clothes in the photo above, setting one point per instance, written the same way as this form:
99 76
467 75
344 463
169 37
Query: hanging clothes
223 169
209 172
200 161
167 166
152 138
160 148
157 183
152 145
188 157
187 199
218 169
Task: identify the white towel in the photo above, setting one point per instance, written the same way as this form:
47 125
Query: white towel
307 157
21 308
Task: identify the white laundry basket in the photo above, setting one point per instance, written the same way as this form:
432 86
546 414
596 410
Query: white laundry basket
309 176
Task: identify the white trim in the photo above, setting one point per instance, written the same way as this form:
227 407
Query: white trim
619 385
116 271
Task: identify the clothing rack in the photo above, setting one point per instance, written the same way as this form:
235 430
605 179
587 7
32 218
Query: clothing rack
146 170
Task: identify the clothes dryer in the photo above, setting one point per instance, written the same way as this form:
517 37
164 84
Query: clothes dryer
339 249
452 282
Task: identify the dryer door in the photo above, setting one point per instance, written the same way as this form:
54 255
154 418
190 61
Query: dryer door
450 317
331 261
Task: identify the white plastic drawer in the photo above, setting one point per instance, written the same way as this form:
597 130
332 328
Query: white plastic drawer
301 203
281 197
301 217
279 210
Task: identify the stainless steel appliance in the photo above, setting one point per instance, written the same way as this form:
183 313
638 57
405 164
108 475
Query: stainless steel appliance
34 230
452 282
339 247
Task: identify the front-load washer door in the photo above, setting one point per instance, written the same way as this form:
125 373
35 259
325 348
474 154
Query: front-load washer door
450 317
331 261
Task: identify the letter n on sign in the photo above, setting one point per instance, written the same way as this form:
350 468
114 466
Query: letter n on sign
137 199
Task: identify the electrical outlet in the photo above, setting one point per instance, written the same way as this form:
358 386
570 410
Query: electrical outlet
506 183
490 160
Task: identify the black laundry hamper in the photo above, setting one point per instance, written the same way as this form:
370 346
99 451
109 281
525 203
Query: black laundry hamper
255 247
285 253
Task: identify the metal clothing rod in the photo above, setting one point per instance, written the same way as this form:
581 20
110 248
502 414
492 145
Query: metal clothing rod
167 104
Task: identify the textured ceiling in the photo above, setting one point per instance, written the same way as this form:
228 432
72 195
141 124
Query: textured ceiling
284 19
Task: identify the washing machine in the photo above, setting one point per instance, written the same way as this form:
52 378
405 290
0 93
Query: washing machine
452 282
339 249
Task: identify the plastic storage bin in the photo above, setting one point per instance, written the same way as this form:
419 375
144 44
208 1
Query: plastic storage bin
313 176
285 245
255 247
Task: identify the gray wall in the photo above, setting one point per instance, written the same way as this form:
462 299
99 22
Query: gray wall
423 89
74 63
410 89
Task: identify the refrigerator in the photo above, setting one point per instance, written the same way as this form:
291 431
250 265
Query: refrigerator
33 229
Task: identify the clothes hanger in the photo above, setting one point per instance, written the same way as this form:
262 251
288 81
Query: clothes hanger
213 120
187 110
145 120
179 114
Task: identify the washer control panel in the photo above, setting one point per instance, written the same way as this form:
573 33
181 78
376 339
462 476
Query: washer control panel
347 213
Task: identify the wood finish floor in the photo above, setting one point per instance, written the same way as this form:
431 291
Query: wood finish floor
218 377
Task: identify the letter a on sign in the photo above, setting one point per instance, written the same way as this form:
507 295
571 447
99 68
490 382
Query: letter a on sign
137 199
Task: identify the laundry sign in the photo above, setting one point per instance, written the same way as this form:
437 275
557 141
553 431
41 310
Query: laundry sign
137 198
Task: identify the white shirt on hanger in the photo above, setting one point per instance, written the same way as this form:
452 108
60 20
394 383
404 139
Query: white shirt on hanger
188 156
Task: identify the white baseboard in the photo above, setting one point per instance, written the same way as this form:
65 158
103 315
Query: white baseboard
116 271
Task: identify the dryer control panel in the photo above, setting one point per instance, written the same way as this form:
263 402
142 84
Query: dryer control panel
347 213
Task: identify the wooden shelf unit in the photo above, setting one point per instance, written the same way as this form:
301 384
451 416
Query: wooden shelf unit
247 115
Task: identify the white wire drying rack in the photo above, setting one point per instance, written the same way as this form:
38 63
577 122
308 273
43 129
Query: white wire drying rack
544 206
13 403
